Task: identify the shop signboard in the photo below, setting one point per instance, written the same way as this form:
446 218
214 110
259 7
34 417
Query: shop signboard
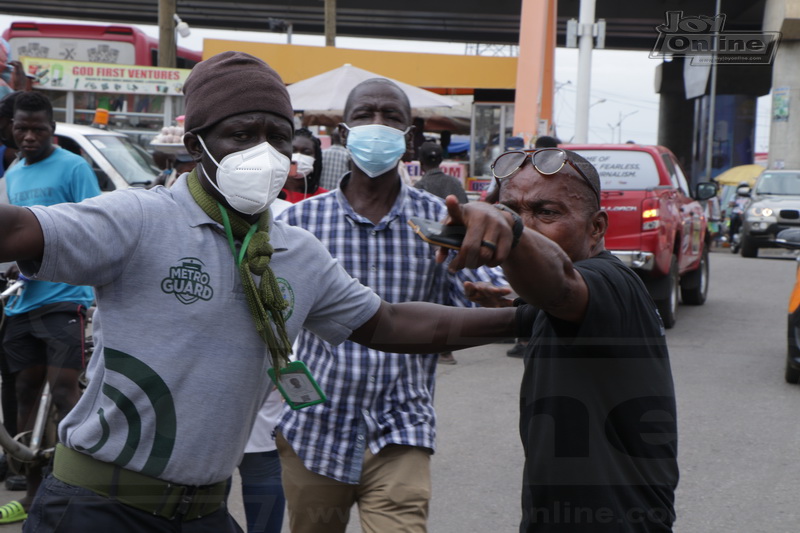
60 75
453 168
478 184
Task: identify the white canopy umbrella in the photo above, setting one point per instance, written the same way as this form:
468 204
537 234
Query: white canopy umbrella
328 91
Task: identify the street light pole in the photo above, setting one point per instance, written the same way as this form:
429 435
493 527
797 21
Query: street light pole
585 45
619 125
712 98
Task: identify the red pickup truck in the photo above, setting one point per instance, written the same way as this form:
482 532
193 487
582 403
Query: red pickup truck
656 226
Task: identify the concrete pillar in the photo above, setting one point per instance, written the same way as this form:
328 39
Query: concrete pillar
675 112
683 123
533 50
734 134
784 132
675 121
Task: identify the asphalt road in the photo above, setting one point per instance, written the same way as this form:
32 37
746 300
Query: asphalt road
736 423
738 432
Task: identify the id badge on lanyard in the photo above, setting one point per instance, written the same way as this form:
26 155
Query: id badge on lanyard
297 386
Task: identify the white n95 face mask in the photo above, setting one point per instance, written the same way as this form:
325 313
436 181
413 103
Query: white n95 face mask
305 165
251 179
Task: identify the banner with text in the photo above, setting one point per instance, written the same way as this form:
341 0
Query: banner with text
58 75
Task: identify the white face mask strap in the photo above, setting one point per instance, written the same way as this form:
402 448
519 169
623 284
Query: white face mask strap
203 144
212 182
208 178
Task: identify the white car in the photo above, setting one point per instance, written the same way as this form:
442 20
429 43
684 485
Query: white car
774 206
118 162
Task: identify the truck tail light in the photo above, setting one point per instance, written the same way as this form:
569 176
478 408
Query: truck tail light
651 217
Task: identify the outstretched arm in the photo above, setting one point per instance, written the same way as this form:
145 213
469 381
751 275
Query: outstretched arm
20 235
419 327
537 268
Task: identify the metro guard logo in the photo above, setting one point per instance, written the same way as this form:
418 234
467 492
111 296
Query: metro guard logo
702 38
288 295
188 282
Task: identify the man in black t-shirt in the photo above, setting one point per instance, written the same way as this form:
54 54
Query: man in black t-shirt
434 180
597 404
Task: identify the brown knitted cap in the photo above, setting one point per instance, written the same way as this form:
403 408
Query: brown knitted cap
231 83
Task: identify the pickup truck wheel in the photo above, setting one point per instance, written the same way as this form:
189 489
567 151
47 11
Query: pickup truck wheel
791 375
668 306
694 285
749 248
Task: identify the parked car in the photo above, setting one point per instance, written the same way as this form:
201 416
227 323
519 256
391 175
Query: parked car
118 162
774 206
657 225
790 238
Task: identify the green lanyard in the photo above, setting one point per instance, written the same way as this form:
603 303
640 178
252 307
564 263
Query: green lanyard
238 257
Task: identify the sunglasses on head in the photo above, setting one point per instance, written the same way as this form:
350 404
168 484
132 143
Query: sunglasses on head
546 161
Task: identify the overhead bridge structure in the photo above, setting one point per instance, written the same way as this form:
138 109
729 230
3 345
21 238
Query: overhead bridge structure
630 25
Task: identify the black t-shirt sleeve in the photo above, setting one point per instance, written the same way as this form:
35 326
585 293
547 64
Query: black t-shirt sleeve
525 318
618 303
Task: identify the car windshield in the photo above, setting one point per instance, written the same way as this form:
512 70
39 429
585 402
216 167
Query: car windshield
779 183
132 164
626 170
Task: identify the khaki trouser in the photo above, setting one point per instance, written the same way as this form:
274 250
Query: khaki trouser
392 496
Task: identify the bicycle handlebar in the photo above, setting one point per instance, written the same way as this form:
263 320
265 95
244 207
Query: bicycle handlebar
12 289
14 448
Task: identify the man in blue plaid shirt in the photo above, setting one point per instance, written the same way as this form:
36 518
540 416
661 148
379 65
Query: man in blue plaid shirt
371 442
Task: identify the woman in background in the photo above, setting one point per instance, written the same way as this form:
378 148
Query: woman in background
306 169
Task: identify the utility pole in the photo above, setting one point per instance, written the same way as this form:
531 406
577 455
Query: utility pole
585 45
712 99
166 33
330 22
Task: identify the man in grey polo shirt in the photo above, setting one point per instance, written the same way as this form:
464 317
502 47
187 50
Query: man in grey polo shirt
180 370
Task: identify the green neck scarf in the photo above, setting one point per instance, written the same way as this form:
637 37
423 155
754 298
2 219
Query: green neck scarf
265 301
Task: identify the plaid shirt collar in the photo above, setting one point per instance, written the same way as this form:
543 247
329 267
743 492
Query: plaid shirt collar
353 217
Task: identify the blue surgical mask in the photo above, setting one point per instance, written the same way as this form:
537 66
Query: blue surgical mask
375 148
